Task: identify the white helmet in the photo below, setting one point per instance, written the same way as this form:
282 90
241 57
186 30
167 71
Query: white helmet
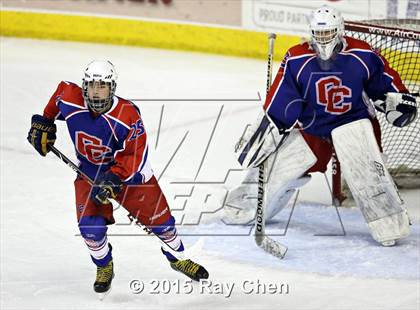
99 71
327 27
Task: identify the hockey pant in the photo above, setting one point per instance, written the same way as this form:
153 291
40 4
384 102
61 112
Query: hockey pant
146 205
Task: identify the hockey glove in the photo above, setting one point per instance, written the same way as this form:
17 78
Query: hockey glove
400 109
42 134
106 186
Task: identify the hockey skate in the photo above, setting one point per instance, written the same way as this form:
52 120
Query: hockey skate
192 270
104 276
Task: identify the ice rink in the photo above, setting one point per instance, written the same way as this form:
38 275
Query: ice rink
194 107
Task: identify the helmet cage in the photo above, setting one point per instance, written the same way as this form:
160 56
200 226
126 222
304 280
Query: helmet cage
98 105
324 37
97 74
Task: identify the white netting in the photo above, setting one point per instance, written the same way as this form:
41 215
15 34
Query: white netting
398 41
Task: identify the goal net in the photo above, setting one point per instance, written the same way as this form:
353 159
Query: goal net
398 40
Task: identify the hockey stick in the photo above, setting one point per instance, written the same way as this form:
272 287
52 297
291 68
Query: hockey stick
71 164
267 244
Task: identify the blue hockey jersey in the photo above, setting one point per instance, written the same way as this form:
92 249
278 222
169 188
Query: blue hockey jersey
321 99
115 140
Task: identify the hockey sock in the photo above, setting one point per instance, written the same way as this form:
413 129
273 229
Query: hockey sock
173 248
93 230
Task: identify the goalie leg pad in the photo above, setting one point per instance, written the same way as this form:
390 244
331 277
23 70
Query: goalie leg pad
369 181
245 214
283 195
240 203
285 167
390 228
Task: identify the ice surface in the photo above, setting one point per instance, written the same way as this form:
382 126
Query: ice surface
44 265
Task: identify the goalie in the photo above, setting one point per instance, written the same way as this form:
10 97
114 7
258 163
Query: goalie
324 96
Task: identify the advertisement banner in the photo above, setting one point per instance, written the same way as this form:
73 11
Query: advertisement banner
291 16
217 12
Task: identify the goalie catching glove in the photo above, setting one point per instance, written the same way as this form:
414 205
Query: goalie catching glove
42 133
106 186
400 109
259 141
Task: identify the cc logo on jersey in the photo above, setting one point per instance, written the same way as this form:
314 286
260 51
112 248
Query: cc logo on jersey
331 93
91 147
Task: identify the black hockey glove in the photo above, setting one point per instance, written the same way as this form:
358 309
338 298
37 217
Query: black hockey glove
400 109
42 133
106 186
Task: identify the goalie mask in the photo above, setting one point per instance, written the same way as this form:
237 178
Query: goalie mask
99 84
327 26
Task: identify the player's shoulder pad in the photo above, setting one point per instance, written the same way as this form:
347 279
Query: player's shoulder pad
353 44
70 92
124 111
296 54
300 50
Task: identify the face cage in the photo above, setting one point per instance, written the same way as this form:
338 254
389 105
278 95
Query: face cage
99 105
324 37
325 42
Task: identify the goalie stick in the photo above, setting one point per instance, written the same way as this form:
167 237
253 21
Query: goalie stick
263 241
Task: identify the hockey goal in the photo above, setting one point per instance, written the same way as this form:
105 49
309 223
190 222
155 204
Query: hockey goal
398 40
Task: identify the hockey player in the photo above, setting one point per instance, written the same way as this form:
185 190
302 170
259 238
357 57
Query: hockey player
324 95
111 146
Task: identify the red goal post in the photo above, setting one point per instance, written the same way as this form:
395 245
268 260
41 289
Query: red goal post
398 40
